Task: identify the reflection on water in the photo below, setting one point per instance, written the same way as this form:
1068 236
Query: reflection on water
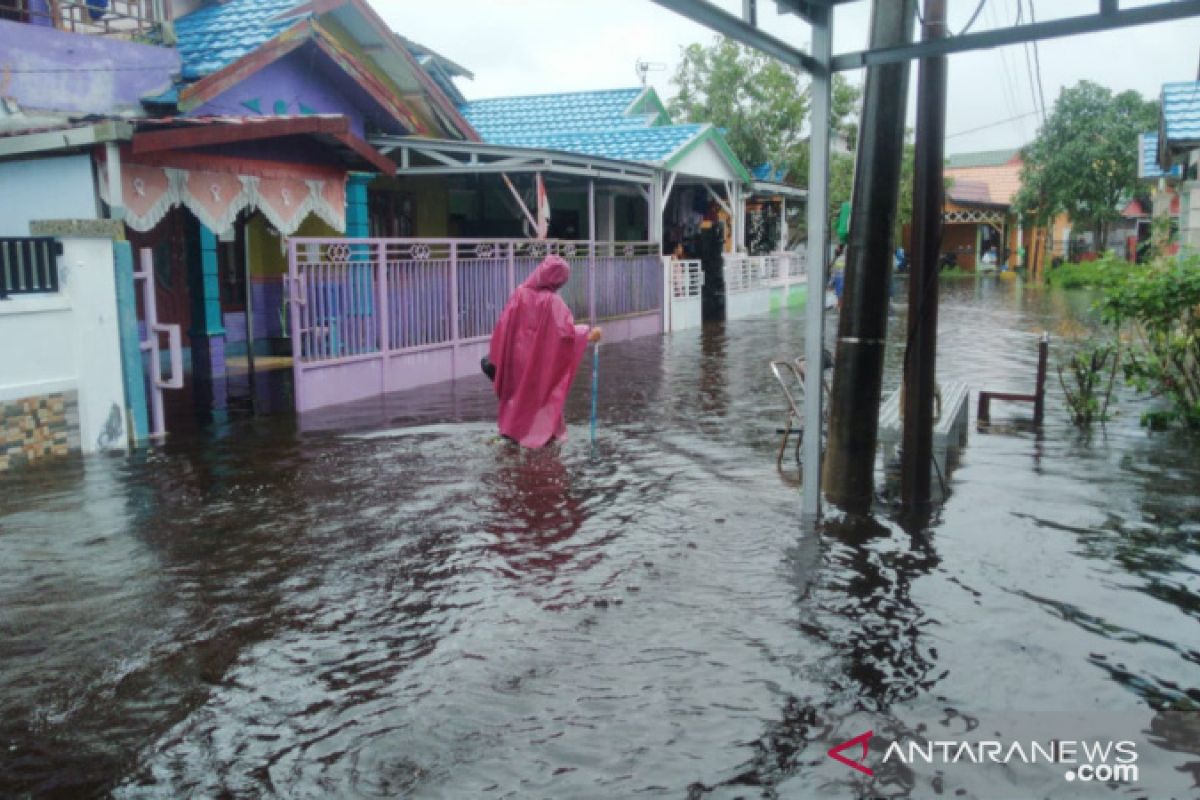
360 609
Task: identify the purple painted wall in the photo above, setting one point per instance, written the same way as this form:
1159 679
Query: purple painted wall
268 301
303 82
105 75
39 13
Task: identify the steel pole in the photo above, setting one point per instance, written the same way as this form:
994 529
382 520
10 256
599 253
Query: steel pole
920 365
862 329
818 248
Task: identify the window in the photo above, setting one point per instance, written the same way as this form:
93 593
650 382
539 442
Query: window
29 266
14 10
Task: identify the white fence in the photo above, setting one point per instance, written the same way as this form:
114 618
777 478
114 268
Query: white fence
745 273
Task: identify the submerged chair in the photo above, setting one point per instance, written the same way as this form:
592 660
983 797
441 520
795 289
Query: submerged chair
795 400
1038 398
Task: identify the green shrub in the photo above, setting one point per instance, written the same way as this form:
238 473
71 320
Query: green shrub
1093 373
1105 271
1161 304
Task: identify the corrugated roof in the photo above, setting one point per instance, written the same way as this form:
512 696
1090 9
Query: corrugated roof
502 117
653 145
1181 112
1149 168
989 158
215 36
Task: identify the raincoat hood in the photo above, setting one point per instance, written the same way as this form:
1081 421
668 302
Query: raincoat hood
550 276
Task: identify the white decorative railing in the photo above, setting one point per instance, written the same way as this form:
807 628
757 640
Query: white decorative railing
687 279
744 273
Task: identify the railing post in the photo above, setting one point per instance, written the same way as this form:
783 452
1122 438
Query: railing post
297 306
383 314
512 268
455 320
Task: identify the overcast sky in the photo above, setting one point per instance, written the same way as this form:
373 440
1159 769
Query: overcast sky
539 46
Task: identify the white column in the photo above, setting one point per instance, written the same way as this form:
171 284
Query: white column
116 188
783 226
818 251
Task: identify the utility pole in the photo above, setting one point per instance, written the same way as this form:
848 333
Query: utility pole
920 363
862 329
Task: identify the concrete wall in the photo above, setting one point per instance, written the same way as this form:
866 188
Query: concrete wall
106 75
68 344
1189 210
45 188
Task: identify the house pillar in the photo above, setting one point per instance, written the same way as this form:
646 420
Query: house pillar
208 326
358 210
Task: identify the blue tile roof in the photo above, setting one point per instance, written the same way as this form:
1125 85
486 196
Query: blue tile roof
652 145
215 36
1148 142
1181 111
503 117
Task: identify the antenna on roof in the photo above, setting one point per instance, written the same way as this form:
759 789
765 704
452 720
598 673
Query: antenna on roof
644 68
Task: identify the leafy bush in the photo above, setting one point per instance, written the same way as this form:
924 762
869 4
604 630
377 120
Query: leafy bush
1161 304
1089 393
1103 272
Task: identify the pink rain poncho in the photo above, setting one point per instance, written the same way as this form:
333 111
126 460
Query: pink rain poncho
537 348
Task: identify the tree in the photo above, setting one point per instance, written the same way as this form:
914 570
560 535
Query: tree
759 103
1084 160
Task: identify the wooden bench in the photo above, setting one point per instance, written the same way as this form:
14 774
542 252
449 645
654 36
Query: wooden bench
949 431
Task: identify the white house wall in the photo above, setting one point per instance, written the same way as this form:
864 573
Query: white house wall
61 368
45 188
706 161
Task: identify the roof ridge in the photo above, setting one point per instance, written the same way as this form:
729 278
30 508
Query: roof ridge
637 89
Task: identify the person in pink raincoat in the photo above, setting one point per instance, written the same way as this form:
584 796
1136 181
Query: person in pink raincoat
536 351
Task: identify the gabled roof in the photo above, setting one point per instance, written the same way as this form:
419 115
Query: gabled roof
224 43
625 124
499 118
988 158
991 178
213 37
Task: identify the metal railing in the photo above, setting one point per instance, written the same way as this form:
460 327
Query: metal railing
687 279
29 265
354 298
130 19
744 273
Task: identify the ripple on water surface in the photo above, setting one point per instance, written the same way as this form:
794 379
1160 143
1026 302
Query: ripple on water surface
390 603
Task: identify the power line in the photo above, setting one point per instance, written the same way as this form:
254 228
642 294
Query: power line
995 124
1029 61
974 17
1037 60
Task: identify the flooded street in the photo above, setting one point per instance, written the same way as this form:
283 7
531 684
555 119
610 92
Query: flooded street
358 609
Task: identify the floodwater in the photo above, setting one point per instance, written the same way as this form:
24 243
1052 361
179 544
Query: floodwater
360 610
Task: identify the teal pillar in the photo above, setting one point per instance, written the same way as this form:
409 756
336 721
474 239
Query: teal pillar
358 212
131 348
208 326
358 226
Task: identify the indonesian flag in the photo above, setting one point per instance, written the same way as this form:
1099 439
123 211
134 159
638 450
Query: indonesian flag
543 209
